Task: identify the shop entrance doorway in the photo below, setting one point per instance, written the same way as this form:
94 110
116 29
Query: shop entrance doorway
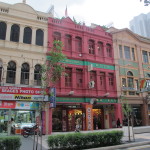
98 119
74 118
21 118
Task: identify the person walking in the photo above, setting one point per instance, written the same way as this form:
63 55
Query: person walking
118 123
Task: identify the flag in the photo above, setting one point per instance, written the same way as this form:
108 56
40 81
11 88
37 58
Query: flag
66 13
142 83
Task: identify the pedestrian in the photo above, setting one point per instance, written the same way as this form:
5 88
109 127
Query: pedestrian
118 123
77 127
12 124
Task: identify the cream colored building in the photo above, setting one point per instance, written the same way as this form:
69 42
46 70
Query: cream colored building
23 45
132 59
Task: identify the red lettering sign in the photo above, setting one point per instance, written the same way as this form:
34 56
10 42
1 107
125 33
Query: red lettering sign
7 104
20 90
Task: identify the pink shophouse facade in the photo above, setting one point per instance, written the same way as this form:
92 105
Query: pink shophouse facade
88 93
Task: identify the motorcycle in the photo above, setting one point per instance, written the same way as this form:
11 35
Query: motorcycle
31 131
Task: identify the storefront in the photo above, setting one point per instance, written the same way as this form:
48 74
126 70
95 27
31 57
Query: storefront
20 104
90 116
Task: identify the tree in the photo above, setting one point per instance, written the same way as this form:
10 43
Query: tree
51 72
127 110
146 2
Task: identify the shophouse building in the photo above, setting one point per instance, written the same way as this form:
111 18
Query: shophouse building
23 45
132 54
88 93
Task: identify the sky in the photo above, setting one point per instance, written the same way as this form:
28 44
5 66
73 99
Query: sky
101 12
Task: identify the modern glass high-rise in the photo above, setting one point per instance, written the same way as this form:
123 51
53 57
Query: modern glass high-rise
141 25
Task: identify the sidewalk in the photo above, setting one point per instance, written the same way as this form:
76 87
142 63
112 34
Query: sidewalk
140 139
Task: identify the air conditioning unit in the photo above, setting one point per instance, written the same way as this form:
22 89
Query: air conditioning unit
91 84
90 67
71 92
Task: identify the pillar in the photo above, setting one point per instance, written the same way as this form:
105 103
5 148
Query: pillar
118 112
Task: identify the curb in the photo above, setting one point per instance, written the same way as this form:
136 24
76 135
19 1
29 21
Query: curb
121 146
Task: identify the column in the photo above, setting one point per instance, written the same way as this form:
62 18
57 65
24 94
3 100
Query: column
8 31
45 38
4 74
145 117
107 82
21 34
89 117
73 44
18 74
118 112
31 76
105 50
74 78
33 36
96 48
50 121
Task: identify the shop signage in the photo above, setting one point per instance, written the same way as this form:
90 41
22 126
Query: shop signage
128 89
23 97
89 117
22 93
52 97
7 104
20 90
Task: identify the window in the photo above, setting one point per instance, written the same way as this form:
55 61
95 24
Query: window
11 72
27 35
3 27
108 50
127 52
93 77
133 54
124 82
57 36
39 37
100 48
91 47
15 31
68 42
78 44
25 74
111 80
120 51
37 75
145 56
68 77
79 78
130 79
102 80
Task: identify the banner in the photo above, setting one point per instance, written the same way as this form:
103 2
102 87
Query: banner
20 90
7 104
23 97
52 97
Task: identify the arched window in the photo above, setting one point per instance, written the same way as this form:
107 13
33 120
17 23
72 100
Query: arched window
15 31
130 79
37 75
3 27
100 48
11 72
25 69
91 47
68 42
39 37
108 50
78 44
27 35
57 36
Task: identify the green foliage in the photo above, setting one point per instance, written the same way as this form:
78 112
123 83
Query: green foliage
10 143
75 141
52 70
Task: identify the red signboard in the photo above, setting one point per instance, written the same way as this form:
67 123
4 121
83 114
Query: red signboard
20 90
7 104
